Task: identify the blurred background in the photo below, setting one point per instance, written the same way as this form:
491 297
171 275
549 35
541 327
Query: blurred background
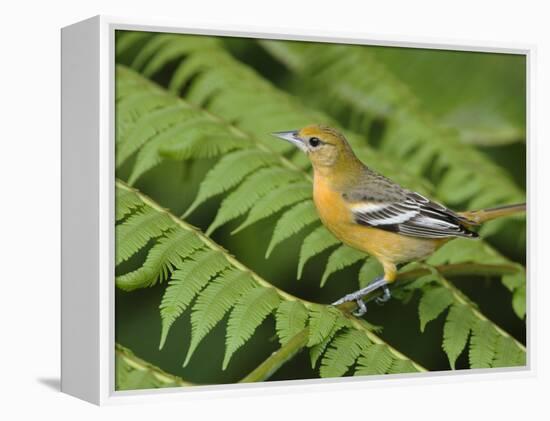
453 120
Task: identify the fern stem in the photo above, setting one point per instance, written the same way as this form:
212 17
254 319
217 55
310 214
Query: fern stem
142 365
285 353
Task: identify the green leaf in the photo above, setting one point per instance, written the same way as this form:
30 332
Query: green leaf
519 301
276 200
508 353
205 145
291 222
316 351
316 242
514 280
150 126
340 258
249 312
247 194
126 202
343 352
432 303
291 318
456 331
136 231
168 252
376 359
321 322
482 344
402 366
175 49
459 105
213 302
229 171
465 250
192 275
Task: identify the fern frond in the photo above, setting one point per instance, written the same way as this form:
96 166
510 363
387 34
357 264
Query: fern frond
201 142
191 276
462 250
316 242
126 202
321 322
402 366
507 353
187 132
219 281
247 194
456 331
482 344
343 352
462 319
224 86
375 359
340 258
517 284
228 88
216 300
149 127
291 318
126 40
276 200
345 87
434 301
249 311
166 254
316 351
291 222
137 231
229 171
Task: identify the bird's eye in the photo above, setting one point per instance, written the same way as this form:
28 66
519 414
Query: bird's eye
314 141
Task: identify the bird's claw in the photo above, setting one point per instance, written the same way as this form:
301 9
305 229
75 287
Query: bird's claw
385 296
361 308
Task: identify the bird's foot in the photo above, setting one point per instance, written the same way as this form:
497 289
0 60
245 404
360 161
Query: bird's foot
385 296
358 295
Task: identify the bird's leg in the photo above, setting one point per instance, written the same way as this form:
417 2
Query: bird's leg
357 296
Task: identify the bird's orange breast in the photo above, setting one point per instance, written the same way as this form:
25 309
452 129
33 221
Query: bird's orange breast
389 247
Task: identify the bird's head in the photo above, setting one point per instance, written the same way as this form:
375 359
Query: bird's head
325 147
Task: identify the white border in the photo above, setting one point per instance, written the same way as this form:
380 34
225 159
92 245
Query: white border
107 395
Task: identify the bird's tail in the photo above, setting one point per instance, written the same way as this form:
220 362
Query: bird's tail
484 215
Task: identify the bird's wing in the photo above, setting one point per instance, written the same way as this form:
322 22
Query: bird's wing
411 214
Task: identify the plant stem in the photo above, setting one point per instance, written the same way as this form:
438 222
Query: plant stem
142 365
278 358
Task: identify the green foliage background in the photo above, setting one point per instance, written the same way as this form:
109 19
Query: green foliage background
194 115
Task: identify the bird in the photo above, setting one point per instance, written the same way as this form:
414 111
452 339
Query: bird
371 213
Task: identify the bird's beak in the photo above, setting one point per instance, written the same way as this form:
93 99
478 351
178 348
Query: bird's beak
292 137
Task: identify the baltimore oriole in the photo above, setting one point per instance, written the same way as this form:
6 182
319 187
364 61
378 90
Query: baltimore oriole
371 213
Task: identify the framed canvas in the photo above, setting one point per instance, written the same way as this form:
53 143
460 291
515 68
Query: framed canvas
246 211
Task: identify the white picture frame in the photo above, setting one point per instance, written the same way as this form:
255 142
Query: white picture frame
88 214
